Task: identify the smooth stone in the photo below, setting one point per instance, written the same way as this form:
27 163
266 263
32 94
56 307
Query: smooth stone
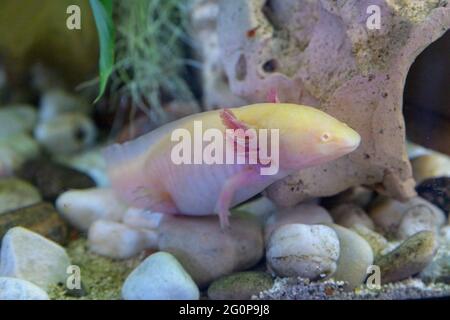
408 259
261 208
92 163
28 255
142 218
53 179
15 150
306 251
118 241
18 289
360 196
16 193
430 166
387 213
302 214
160 277
377 242
420 218
437 191
438 271
355 257
348 215
55 102
82 207
66 133
208 252
445 234
41 218
16 119
240 286
44 79
9 161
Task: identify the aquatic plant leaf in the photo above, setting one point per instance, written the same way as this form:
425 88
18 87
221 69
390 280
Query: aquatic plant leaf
102 10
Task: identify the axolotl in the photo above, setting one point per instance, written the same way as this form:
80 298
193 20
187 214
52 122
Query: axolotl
144 175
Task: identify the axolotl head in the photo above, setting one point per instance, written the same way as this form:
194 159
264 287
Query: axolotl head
307 136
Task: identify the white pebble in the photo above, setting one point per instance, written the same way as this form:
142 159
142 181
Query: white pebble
18 289
387 213
348 215
307 251
55 102
420 218
118 241
356 256
82 207
142 218
260 208
160 277
302 213
15 151
16 119
445 234
66 133
28 255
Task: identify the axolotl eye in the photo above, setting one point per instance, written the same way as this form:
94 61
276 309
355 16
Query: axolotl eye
325 137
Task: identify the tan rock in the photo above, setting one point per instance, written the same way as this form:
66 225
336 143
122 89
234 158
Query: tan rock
388 215
430 166
206 251
355 257
348 215
411 257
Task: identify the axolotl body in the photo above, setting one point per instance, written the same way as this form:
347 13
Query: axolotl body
145 176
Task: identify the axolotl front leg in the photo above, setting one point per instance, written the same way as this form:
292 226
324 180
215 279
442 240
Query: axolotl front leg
249 176
244 178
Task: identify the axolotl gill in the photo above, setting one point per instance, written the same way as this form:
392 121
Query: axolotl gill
143 174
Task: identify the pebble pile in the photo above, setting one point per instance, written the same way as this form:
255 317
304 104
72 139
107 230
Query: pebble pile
58 213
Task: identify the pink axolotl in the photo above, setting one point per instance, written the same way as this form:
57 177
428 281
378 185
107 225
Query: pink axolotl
144 174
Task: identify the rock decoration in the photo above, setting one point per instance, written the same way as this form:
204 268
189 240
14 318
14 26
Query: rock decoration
203 29
294 45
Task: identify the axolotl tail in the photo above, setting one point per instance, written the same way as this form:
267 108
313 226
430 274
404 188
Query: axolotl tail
126 166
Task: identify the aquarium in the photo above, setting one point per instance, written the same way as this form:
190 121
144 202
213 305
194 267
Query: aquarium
224 150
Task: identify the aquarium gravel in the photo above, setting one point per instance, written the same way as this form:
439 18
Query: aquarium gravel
303 289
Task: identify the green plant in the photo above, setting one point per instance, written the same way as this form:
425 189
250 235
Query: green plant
149 51
102 10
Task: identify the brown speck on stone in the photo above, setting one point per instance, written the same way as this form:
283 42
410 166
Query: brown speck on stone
252 32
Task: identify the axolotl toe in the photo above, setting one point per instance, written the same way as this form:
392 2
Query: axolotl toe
209 162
